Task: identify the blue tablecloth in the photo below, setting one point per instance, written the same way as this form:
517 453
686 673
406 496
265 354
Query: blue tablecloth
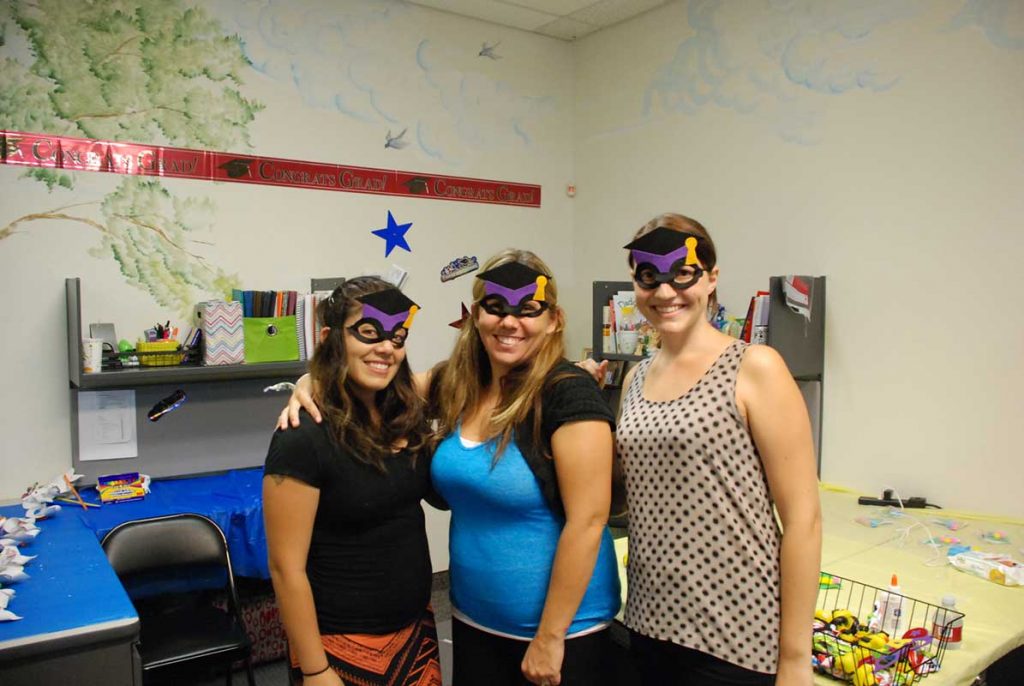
233 500
70 588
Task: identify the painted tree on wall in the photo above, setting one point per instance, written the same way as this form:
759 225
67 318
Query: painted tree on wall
148 71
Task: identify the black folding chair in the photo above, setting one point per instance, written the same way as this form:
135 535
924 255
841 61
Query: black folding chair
181 633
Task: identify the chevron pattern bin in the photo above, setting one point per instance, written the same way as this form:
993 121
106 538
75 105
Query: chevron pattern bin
223 339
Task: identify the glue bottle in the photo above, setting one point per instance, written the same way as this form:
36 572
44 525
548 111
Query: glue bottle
890 605
949 624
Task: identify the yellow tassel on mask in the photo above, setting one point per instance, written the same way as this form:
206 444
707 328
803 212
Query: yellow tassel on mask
412 313
538 295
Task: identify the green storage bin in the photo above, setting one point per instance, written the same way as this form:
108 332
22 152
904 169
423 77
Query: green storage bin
270 339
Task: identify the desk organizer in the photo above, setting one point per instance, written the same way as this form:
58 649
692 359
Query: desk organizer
848 643
158 353
151 357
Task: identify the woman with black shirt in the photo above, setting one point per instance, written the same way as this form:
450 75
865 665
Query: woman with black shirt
341 500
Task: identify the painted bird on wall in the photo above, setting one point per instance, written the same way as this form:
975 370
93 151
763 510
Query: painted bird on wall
488 51
396 142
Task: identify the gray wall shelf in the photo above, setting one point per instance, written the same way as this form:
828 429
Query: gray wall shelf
148 376
226 423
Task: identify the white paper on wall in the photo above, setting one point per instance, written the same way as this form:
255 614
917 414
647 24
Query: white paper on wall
106 425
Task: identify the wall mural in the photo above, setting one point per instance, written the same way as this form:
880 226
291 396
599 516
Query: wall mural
447 98
782 60
141 70
171 72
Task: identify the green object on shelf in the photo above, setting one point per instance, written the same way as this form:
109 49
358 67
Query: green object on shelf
270 339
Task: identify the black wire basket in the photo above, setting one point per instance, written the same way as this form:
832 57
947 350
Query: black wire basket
115 359
849 644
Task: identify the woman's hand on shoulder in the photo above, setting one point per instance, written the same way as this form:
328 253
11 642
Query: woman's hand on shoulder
302 398
595 369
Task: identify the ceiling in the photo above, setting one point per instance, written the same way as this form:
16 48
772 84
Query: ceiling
564 19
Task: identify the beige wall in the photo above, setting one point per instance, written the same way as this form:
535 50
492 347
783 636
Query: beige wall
896 173
507 119
894 170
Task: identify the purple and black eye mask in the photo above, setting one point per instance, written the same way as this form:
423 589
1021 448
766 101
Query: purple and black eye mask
386 325
496 305
665 267
497 300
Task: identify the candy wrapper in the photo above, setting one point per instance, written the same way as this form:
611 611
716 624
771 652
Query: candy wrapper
996 567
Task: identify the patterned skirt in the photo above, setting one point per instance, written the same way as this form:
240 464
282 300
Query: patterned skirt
407 657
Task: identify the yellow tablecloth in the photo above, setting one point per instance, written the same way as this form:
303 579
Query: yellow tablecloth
994 614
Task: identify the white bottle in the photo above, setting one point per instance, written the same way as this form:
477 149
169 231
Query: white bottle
948 624
891 608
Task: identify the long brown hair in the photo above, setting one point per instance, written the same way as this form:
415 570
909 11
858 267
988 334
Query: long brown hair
348 419
458 384
705 246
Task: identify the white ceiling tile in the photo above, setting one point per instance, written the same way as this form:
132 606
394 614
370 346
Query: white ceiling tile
566 29
609 12
493 11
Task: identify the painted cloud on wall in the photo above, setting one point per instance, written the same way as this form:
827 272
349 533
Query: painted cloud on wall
1002 21
368 61
780 60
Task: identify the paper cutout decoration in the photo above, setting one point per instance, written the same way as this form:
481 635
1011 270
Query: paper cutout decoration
514 288
457 324
168 404
387 315
394 235
459 267
665 256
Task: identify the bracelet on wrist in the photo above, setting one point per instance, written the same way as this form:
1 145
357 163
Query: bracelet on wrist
318 673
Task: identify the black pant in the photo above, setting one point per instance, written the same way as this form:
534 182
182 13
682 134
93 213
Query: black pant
663 663
483 659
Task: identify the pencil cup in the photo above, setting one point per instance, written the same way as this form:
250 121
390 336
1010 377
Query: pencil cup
627 341
92 355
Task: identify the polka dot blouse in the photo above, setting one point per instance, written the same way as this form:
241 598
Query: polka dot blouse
703 541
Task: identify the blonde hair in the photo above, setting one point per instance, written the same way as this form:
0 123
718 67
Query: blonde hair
458 384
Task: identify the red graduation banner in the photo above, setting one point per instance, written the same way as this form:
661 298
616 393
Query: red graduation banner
80 154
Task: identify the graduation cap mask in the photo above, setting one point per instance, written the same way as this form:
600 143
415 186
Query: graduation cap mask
387 315
665 256
514 288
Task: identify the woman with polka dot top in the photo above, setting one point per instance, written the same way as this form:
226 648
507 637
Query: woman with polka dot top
713 435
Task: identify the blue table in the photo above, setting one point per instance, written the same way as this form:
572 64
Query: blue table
78 625
233 500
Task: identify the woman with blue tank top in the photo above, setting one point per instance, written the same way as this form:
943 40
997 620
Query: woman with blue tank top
526 466
525 462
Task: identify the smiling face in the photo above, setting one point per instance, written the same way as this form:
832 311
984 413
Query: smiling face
371 366
511 341
671 310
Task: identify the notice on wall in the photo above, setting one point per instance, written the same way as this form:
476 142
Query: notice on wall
106 425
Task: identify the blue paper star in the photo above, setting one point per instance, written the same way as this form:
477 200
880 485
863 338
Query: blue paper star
394 234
